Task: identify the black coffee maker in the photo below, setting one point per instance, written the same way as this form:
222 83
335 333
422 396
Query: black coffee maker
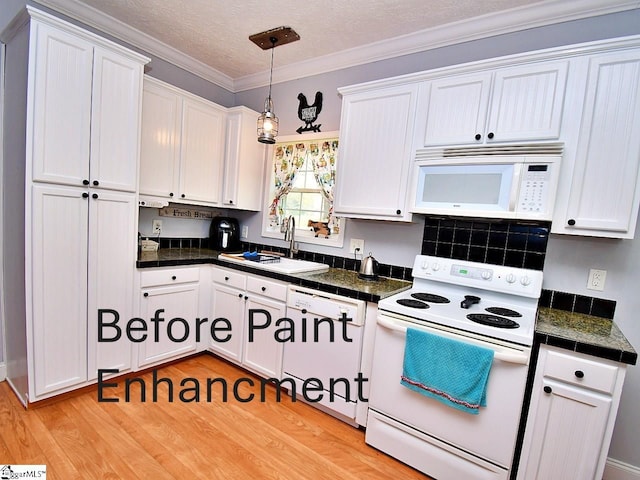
224 234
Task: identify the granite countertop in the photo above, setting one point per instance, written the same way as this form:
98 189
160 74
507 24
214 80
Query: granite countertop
582 333
171 257
578 332
336 280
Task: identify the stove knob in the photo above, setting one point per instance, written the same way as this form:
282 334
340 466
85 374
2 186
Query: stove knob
511 278
435 267
425 265
525 280
486 274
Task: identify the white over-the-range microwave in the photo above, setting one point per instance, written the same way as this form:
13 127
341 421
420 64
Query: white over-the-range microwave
518 182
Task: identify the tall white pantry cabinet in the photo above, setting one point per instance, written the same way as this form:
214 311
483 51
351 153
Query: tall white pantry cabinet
71 205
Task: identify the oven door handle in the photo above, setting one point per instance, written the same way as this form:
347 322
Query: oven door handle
502 354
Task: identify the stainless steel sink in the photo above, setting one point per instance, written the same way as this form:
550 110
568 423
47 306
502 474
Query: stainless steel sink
284 265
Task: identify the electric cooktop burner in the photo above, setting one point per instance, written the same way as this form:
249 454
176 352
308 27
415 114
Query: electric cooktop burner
430 297
493 320
504 312
408 302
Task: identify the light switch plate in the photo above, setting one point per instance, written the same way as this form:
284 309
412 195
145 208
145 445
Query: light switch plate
156 226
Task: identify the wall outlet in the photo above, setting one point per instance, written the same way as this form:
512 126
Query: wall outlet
156 226
356 246
245 232
596 279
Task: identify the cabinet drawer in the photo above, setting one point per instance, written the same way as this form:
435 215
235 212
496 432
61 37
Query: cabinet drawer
268 288
229 278
577 370
169 276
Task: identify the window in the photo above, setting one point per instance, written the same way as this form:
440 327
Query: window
301 181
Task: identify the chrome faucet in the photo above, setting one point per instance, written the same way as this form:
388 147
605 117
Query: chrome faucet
290 234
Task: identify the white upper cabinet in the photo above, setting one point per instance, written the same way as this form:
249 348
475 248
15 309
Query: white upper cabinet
601 192
456 109
376 130
86 112
182 147
160 140
115 121
244 161
62 71
521 103
201 151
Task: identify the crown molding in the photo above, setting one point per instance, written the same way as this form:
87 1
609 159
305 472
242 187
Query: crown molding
520 18
135 38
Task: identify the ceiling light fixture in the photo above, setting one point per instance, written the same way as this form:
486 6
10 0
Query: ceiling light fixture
267 121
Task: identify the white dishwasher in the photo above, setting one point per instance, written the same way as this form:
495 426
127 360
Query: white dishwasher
314 353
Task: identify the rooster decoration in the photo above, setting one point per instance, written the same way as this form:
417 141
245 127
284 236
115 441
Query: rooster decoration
309 113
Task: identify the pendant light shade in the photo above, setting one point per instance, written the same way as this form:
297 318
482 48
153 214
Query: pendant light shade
267 121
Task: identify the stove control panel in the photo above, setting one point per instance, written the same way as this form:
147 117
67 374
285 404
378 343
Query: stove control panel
466 271
512 280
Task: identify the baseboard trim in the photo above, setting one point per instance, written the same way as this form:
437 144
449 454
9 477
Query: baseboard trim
617 470
3 371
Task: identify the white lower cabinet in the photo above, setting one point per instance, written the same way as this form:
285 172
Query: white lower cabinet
89 267
173 295
573 409
252 305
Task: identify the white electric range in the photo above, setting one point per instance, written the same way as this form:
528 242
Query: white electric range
487 305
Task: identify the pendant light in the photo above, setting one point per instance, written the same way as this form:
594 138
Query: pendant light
267 121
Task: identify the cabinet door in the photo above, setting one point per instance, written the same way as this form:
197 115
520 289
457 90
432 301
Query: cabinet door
115 121
160 141
568 432
375 154
202 151
262 353
605 189
229 303
180 301
456 109
60 107
527 102
112 250
243 161
59 236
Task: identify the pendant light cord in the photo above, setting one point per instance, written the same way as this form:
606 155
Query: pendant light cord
273 46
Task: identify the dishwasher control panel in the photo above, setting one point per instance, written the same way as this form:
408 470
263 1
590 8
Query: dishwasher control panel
325 305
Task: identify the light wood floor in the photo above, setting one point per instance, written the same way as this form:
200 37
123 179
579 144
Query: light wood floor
79 437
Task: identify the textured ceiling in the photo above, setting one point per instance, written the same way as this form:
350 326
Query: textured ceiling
216 32
211 37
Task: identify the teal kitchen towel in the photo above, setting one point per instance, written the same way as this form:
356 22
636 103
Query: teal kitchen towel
453 372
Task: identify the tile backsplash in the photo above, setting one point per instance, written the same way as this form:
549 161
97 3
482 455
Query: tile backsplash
504 242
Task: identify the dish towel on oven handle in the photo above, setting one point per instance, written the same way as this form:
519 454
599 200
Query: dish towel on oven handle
453 372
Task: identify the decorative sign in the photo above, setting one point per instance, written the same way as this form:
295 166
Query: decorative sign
309 113
187 212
